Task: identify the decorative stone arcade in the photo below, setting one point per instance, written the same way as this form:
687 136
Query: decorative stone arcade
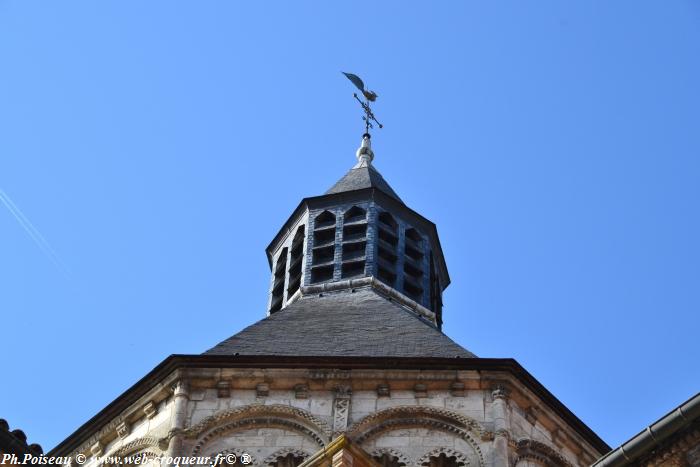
360 229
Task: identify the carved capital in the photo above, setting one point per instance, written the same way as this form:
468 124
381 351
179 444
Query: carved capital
343 391
180 388
500 391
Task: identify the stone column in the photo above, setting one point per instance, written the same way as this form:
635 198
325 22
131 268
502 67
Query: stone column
499 411
178 417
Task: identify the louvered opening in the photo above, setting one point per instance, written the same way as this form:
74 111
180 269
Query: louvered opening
388 239
295 261
278 281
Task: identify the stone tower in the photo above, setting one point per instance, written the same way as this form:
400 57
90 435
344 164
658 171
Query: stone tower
350 366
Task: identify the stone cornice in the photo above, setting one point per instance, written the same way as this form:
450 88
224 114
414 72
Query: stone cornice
160 379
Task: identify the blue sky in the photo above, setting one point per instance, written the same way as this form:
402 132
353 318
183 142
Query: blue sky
157 147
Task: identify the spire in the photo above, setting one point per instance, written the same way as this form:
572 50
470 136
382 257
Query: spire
364 153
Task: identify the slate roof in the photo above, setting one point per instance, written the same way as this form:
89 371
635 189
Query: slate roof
363 176
345 323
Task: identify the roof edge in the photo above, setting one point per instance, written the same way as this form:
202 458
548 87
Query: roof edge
654 435
179 361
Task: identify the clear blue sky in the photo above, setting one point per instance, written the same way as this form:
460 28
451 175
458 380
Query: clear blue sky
158 146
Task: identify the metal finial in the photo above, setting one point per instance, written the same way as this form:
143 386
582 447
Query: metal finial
370 96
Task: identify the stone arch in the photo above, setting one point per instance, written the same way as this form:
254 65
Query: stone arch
459 456
423 417
145 445
272 458
236 452
528 449
402 458
258 416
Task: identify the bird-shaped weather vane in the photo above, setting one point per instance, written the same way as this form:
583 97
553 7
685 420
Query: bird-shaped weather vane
370 96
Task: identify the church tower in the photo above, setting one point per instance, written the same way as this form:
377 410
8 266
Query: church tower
350 366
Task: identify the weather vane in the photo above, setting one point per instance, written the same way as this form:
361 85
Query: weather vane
370 96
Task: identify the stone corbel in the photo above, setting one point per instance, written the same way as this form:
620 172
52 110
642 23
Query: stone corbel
223 389
150 409
457 389
123 430
262 390
420 390
383 390
301 391
97 449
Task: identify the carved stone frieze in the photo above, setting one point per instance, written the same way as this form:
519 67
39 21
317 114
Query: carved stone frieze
341 409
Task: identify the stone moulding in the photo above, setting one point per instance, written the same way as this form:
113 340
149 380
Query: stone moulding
448 452
420 417
403 459
528 449
272 458
237 452
134 446
412 411
258 416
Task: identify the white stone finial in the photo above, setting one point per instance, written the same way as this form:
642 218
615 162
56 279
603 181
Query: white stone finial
364 152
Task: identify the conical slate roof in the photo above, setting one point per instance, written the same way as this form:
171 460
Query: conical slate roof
363 176
360 323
